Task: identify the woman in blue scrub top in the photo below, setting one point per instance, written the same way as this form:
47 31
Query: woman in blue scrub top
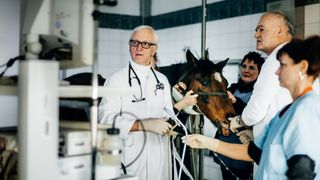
289 147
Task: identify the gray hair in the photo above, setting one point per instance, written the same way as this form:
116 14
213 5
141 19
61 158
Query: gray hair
146 27
285 19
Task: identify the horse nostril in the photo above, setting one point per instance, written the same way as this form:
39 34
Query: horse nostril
228 115
226 122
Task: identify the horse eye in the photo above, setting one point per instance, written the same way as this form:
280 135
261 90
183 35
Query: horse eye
204 82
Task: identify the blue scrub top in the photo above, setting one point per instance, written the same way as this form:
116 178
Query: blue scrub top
296 132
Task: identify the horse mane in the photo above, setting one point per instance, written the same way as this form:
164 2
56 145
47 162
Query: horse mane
206 67
175 71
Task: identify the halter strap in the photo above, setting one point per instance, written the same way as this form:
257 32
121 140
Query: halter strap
215 93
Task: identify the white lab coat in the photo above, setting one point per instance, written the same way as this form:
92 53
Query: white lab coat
154 163
295 133
267 97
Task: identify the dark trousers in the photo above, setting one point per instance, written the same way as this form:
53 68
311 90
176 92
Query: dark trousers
240 173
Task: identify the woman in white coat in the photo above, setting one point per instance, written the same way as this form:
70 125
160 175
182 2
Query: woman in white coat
289 147
141 115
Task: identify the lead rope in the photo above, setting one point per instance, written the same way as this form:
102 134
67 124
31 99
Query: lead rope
227 168
221 161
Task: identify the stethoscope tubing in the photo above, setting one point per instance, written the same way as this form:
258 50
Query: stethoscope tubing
159 86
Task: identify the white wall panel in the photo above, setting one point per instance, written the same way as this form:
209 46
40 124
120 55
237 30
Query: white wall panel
312 20
113 50
9 48
312 13
312 29
126 7
9 32
228 38
165 6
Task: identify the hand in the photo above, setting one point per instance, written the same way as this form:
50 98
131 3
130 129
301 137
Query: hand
181 87
154 125
245 136
199 141
232 98
235 122
173 134
189 99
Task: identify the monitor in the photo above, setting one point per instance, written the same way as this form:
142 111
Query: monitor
65 29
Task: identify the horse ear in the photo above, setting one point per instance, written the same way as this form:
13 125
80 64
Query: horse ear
191 59
221 64
206 55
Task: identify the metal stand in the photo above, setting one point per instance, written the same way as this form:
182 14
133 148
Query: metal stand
197 154
203 28
203 56
38 120
94 94
201 151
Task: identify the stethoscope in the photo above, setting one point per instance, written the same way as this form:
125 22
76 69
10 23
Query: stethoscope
159 85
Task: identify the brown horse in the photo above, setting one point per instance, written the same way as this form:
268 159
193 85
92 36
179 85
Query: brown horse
205 78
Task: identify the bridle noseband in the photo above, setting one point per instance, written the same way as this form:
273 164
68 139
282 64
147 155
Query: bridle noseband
214 93
205 95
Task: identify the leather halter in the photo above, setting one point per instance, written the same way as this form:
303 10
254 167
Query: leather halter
214 93
201 93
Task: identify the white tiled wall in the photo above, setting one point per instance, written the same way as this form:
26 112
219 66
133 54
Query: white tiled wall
312 24
312 20
9 32
9 48
113 50
128 7
229 38
165 6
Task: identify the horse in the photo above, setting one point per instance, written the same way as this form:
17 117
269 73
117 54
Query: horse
205 79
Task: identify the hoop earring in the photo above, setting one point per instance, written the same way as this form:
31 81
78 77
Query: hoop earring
301 75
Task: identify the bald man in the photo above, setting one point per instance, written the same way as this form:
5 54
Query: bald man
273 31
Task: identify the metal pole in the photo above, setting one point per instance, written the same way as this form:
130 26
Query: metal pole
94 95
193 152
201 151
203 28
203 49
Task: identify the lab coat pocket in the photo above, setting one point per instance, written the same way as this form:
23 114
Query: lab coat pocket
277 161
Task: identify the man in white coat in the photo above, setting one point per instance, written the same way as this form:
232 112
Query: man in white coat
141 116
273 31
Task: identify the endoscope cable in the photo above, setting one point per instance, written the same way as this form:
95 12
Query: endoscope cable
175 118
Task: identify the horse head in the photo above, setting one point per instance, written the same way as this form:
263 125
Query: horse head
205 78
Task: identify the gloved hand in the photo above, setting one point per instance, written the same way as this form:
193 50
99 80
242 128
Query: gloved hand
245 136
181 87
235 122
155 125
232 98
199 141
189 99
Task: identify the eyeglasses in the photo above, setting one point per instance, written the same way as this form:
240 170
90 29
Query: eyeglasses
251 68
145 45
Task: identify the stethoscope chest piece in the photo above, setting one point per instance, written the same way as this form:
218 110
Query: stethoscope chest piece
159 85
